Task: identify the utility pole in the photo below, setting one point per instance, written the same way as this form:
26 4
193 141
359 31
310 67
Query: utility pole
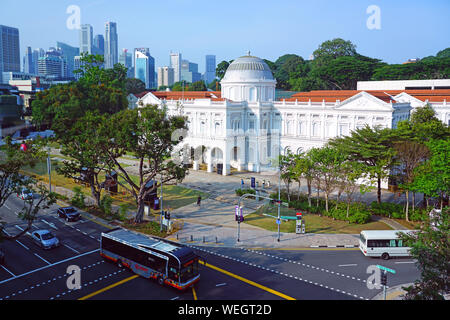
49 169
160 216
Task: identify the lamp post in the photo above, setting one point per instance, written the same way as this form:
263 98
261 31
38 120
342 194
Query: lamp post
49 169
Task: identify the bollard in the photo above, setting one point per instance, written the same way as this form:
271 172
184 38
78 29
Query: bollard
192 239
203 239
216 239
177 236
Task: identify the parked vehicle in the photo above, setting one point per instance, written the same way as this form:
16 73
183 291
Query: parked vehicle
45 239
69 213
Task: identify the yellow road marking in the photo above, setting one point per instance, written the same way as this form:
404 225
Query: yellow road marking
108 287
194 293
248 281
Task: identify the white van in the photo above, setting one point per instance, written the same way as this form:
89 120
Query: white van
383 243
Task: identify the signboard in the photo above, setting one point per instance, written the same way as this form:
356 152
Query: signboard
299 216
253 183
298 226
278 221
386 269
238 214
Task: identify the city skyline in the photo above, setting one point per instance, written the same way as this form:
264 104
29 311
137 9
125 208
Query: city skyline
268 31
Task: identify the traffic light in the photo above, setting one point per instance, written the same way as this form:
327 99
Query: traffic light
384 278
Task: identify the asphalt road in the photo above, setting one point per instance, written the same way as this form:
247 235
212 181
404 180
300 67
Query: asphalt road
31 273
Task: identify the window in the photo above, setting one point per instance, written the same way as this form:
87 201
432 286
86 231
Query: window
316 129
251 125
379 243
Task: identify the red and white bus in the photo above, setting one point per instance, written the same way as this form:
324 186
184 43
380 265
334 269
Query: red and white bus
152 257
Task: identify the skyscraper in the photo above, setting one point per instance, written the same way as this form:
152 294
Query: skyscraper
99 44
69 53
189 72
126 59
144 67
175 63
86 38
28 66
9 49
111 45
165 76
210 68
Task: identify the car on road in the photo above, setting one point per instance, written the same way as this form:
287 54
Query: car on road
25 194
45 239
2 257
69 213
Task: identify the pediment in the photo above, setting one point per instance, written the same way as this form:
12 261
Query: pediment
364 102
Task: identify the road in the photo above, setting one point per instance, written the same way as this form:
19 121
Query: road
31 273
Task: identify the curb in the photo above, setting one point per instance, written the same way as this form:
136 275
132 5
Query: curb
337 246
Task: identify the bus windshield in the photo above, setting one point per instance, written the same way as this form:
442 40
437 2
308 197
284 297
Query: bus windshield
189 272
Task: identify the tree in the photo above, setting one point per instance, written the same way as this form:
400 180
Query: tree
432 177
134 86
327 163
82 143
430 248
222 68
286 165
304 168
332 49
149 134
12 160
373 148
197 86
410 154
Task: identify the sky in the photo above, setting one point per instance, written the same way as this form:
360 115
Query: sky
391 30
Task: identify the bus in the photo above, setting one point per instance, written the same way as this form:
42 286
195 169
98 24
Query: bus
383 243
167 262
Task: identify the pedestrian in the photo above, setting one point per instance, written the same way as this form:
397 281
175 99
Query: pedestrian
199 199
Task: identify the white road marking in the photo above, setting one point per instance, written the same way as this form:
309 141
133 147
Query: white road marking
50 224
76 251
8 271
42 258
221 284
405 262
347 265
22 245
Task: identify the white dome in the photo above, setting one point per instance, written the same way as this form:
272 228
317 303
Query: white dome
248 68
249 79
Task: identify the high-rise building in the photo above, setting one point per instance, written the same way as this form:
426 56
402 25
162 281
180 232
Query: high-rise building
111 45
99 45
9 49
189 72
53 65
28 66
76 65
210 68
69 53
86 38
144 67
175 63
126 58
165 76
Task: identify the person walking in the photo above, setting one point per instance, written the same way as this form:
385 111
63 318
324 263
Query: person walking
199 200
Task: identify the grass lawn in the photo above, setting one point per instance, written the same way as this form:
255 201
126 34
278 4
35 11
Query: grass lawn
173 196
314 224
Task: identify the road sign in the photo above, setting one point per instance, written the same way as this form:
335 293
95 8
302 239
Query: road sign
386 269
298 226
278 221
253 184
299 216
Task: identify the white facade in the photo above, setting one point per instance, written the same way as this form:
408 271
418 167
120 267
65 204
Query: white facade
247 129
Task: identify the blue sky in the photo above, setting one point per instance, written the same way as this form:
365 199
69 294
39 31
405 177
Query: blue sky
230 28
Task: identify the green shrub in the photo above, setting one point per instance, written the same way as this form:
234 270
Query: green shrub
387 209
106 204
78 198
241 192
122 213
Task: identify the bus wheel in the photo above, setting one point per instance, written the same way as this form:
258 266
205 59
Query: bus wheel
385 256
160 281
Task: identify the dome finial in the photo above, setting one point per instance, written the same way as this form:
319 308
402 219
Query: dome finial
248 52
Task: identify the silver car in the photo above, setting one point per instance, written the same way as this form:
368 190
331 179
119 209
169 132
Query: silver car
45 239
